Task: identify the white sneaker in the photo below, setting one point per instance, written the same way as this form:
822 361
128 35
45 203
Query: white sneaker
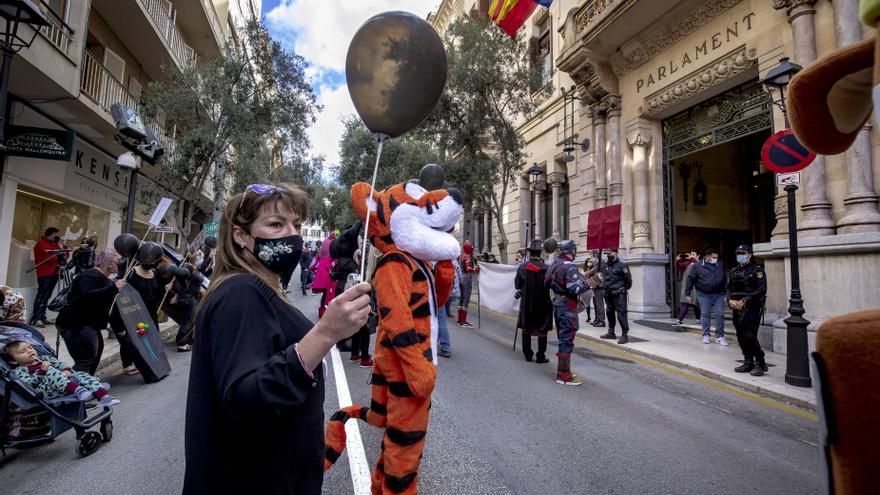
721 341
706 339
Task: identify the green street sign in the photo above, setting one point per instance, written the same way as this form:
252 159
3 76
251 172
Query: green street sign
36 142
212 229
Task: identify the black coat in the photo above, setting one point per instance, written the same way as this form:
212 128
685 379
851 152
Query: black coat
535 309
88 301
254 417
707 278
616 277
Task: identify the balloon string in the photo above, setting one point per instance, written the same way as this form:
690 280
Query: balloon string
382 138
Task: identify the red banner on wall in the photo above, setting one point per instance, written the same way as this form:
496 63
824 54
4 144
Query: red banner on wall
603 228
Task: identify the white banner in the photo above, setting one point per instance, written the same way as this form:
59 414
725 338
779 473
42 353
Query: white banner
496 288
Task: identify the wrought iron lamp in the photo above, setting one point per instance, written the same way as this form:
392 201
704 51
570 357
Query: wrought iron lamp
568 143
14 13
797 367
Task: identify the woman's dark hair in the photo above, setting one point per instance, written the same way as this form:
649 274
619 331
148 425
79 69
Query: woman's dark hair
709 250
50 231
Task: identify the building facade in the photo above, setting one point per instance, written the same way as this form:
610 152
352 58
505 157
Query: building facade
94 54
668 120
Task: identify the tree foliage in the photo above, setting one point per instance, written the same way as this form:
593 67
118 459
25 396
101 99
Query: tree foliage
475 123
251 104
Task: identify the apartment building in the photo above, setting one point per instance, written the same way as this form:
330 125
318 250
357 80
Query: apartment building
94 54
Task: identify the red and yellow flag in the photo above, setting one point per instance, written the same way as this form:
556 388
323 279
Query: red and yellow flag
510 15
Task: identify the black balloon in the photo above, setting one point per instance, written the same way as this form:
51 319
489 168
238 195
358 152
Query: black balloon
149 253
167 271
396 70
182 274
432 177
126 245
551 245
211 242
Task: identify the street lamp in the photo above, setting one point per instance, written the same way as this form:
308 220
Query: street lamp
14 12
534 172
568 143
797 368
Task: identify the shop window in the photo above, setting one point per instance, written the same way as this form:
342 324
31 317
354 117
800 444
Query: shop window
37 210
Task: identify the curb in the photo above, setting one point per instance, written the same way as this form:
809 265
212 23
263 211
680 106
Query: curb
755 389
108 359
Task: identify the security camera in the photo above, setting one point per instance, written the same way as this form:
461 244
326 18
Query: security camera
129 160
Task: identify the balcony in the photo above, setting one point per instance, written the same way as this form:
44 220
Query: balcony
57 32
146 28
199 22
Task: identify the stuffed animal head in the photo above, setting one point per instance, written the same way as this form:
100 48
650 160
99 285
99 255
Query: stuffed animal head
409 218
346 242
832 98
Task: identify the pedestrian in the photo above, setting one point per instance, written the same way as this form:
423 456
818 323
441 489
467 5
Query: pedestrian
305 275
469 267
255 402
345 250
746 291
567 283
182 305
491 259
83 258
535 308
47 255
323 284
707 277
520 258
618 281
587 297
86 313
687 266
443 340
594 280
12 305
206 267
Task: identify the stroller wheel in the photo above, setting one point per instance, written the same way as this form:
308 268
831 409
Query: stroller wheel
107 430
89 443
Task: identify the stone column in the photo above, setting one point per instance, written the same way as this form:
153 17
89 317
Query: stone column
477 230
816 219
487 219
555 180
641 242
525 206
613 158
538 187
860 203
597 113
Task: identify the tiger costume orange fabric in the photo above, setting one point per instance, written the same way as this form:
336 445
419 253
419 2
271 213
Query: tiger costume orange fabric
411 227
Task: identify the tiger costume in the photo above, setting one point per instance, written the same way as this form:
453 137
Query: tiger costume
411 227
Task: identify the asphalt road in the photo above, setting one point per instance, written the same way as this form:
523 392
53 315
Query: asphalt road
498 425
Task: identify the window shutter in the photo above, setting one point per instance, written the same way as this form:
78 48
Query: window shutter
135 88
533 50
114 64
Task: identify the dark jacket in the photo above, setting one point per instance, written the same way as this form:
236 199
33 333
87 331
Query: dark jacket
88 301
344 267
616 277
254 417
749 283
707 278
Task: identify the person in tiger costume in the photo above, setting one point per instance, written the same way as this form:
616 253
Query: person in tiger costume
411 226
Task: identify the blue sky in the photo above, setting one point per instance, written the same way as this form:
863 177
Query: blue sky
320 31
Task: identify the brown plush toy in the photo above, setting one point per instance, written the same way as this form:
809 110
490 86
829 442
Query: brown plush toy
847 373
832 98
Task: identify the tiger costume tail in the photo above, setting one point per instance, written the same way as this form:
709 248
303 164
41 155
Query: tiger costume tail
336 437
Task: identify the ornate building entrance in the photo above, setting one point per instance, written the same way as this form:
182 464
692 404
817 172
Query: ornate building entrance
716 192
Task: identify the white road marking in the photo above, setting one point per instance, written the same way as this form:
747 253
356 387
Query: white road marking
354 446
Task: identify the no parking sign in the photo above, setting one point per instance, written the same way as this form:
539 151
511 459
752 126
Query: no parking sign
783 153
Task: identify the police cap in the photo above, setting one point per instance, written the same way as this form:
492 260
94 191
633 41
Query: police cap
744 248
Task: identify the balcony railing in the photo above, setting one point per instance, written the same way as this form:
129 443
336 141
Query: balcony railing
57 32
158 11
214 20
102 87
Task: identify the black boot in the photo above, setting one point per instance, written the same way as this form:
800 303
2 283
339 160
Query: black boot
609 335
598 323
623 339
747 366
527 347
589 314
542 349
760 366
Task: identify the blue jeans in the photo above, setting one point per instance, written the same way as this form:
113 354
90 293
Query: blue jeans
711 306
443 328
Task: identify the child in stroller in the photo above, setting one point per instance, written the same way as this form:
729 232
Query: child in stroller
31 415
54 378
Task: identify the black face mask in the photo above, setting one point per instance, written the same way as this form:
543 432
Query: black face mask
611 258
279 255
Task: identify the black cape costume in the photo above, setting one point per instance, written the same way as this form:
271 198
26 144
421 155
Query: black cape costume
535 310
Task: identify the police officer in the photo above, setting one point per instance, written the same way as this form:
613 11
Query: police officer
567 283
617 281
746 290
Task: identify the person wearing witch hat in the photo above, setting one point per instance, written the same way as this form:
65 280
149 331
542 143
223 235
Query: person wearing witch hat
535 309
469 266
567 284
746 290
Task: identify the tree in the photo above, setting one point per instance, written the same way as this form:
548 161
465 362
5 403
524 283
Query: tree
488 88
246 110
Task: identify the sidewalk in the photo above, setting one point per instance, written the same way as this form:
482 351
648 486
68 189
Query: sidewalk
167 330
686 350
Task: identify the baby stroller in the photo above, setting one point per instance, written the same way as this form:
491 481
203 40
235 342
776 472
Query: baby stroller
27 418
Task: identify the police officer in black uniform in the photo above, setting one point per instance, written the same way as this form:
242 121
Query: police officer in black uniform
617 281
746 290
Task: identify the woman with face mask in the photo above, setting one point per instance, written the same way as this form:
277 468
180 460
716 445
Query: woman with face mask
255 404
80 321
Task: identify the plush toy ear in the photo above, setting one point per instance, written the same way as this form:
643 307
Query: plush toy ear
831 99
360 196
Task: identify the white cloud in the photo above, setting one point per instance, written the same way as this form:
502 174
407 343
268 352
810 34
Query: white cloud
320 31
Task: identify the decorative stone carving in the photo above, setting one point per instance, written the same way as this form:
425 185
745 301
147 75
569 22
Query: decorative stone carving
790 5
598 111
612 103
541 96
641 229
673 32
540 16
731 65
638 140
556 178
593 12
616 189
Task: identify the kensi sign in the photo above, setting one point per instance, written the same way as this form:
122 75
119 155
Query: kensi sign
693 54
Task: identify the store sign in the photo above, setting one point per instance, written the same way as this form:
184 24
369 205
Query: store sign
37 142
698 51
